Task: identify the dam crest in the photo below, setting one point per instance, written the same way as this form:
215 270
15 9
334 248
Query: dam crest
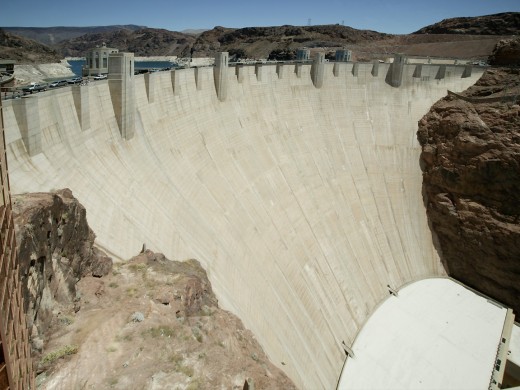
297 186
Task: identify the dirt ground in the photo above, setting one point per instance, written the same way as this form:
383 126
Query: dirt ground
153 324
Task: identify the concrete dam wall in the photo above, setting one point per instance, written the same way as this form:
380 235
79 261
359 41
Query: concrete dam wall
304 204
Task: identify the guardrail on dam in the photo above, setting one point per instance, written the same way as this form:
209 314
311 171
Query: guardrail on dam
297 186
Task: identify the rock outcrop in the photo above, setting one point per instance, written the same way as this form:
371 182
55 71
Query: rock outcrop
507 52
471 183
153 322
55 250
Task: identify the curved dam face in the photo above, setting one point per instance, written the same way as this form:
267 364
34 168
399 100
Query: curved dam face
304 204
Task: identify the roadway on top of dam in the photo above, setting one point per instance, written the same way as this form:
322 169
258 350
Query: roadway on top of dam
303 204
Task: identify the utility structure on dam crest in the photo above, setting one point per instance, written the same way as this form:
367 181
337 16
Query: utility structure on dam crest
296 185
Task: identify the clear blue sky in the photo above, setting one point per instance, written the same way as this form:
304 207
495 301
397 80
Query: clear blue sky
390 16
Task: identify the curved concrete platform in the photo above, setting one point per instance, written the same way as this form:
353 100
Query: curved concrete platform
303 204
435 334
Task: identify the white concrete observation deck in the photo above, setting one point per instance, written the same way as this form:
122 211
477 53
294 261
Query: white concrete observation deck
298 189
435 334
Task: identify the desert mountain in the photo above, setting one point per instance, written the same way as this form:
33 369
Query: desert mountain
507 23
259 42
143 42
25 50
55 35
464 38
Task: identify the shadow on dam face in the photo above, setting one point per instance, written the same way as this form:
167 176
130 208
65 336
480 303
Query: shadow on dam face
304 204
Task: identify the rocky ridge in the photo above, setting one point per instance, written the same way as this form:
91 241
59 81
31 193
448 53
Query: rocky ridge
142 42
24 50
55 250
471 182
54 35
506 23
259 42
476 41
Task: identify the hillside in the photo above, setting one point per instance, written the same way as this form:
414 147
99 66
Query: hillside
507 23
55 35
259 42
142 42
464 38
25 50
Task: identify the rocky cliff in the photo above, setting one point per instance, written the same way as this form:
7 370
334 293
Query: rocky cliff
55 250
507 52
471 183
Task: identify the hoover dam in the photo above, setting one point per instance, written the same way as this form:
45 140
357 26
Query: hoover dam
297 186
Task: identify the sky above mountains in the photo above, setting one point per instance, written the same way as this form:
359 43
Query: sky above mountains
389 16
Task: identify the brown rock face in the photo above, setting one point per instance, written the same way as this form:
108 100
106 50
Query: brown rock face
25 50
155 323
471 183
192 292
55 246
507 52
506 23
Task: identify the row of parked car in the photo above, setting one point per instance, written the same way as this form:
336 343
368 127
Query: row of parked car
36 87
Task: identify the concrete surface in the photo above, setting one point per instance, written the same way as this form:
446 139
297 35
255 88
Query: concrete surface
303 204
514 346
436 334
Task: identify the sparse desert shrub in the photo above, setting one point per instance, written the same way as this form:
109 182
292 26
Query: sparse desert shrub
195 384
59 353
186 370
66 320
176 358
131 291
137 317
160 331
137 267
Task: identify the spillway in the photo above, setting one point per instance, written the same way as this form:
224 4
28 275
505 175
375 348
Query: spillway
304 204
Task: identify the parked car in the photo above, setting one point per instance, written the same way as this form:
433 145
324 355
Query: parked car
57 84
100 77
75 80
34 87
